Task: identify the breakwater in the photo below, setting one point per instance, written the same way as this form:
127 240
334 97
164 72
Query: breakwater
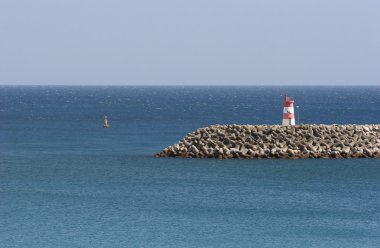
274 141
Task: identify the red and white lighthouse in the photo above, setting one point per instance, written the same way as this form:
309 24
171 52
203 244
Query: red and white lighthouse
288 113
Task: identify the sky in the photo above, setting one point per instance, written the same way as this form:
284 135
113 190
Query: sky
192 42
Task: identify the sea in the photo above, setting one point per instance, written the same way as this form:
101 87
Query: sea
65 181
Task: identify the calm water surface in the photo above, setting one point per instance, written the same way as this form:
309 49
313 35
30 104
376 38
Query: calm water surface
67 182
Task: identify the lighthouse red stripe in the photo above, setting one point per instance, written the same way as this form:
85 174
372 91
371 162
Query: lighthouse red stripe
289 104
288 116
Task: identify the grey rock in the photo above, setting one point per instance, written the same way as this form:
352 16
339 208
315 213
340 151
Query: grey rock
261 141
194 150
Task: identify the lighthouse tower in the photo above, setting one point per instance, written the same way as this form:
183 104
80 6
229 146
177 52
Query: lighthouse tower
288 113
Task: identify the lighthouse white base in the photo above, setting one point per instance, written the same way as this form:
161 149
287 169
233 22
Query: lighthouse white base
288 122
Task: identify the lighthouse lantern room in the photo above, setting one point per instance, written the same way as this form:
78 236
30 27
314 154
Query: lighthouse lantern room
288 113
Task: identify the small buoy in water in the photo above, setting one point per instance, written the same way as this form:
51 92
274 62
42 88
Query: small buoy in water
105 124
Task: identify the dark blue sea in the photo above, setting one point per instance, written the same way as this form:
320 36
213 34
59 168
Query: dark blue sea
65 181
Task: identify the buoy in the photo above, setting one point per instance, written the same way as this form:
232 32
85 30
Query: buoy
105 124
288 113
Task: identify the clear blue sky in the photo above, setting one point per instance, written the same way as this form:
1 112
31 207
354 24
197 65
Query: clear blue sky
190 42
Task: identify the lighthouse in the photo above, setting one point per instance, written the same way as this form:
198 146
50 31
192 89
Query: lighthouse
288 113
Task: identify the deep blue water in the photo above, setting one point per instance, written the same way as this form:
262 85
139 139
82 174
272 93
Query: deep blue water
65 181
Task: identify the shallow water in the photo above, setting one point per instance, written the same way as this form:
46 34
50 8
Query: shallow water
67 182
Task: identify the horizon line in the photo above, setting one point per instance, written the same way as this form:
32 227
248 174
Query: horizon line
191 85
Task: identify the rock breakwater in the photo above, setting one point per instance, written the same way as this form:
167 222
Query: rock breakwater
274 141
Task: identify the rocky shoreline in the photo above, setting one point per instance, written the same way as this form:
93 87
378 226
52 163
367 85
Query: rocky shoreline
274 141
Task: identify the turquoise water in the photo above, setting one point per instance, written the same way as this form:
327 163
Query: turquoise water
67 182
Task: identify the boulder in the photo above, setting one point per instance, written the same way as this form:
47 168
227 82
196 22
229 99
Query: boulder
262 141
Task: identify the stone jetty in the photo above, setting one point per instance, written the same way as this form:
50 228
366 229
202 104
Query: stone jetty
274 141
